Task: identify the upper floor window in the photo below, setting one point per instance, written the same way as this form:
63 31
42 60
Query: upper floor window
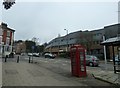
8 33
98 34
0 39
1 31
71 38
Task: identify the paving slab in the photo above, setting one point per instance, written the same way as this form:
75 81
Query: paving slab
109 76
30 74
26 74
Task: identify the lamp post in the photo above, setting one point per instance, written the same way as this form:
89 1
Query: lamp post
66 39
58 44
105 53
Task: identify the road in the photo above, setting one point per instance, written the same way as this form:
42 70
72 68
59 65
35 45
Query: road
46 72
65 61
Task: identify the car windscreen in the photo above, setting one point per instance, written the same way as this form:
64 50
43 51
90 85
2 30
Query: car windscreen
94 57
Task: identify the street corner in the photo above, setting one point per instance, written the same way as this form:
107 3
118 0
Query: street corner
110 78
106 76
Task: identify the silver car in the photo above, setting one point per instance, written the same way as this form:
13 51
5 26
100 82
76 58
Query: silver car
49 55
92 60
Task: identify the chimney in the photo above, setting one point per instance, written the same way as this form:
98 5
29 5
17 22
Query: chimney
4 24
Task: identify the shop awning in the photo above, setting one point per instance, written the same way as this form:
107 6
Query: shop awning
111 41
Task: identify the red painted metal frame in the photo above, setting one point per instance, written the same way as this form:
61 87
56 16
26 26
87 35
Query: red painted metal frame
76 65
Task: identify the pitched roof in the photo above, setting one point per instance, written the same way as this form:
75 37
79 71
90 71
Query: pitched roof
4 27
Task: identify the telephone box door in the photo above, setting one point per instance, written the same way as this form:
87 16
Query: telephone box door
74 62
82 61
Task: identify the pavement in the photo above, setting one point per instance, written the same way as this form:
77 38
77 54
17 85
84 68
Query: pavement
107 76
39 76
30 74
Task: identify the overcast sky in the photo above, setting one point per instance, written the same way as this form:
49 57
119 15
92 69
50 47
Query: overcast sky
45 20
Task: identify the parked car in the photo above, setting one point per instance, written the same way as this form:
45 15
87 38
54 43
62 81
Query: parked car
92 60
30 54
11 55
49 55
36 54
23 54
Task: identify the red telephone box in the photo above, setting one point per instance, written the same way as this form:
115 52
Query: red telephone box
78 62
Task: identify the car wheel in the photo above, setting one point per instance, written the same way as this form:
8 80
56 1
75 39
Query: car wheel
91 64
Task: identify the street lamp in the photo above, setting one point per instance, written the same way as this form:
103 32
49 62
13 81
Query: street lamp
67 39
58 43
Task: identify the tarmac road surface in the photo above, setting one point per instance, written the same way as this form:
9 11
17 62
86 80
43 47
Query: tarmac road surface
44 72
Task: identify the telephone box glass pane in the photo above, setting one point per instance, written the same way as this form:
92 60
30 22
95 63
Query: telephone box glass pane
73 58
82 61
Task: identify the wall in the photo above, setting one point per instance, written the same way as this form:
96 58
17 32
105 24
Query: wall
0 41
7 39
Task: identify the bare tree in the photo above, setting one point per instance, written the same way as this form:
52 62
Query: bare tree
85 39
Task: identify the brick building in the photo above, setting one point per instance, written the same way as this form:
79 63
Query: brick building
7 36
20 47
0 41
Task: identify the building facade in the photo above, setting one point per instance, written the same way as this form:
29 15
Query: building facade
20 47
62 44
89 39
7 39
1 32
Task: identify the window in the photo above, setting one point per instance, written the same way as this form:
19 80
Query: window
0 48
0 39
94 42
7 48
71 38
62 39
8 41
8 33
97 42
1 31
